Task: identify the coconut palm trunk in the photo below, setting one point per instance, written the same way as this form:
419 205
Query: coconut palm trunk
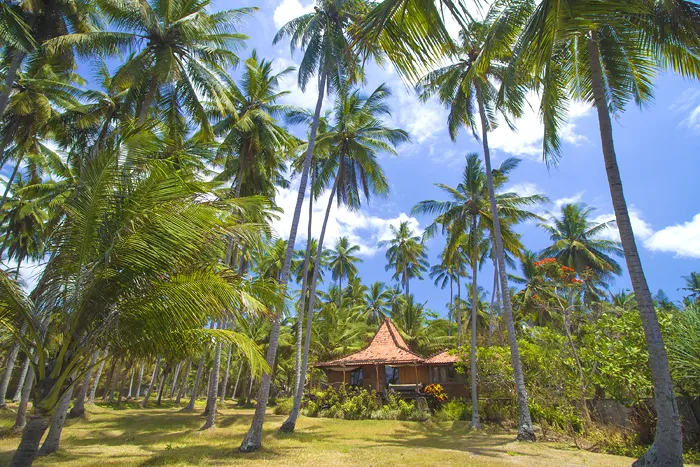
291 421
450 311
213 389
58 419
7 376
139 380
173 386
667 448
253 439
149 389
195 388
96 382
161 385
475 301
224 383
150 95
238 378
21 418
459 313
11 179
183 383
78 409
525 429
302 304
16 62
22 378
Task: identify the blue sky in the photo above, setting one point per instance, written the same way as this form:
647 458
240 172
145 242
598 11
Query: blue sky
658 152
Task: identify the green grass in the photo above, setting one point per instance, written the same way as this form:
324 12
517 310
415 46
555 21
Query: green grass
130 436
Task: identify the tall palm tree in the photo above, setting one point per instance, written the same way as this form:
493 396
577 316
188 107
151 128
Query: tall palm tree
406 255
377 302
607 55
442 275
186 52
692 285
354 140
327 53
577 244
342 260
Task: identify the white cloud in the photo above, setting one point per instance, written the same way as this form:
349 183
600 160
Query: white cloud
296 96
558 203
523 189
422 120
681 239
688 104
642 229
361 228
290 9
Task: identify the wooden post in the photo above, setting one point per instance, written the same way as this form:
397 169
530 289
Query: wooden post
415 366
343 374
376 368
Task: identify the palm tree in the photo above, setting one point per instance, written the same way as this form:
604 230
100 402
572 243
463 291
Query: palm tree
442 275
406 255
186 52
470 225
342 261
692 285
353 143
606 56
322 35
576 244
377 302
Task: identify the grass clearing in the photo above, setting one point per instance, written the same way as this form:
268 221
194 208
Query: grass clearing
130 436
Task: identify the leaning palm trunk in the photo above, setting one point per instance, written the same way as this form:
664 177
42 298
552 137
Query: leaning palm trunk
224 383
475 300
213 389
96 382
16 62
78 409
173 386
11 179
525 429
291 421
459 313
7 376
58 419
183 384
139 381
667 448
253 439
150 384
302 304
161 385
198 377
238 378
22 377
21 418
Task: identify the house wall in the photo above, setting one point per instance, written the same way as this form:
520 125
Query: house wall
413 375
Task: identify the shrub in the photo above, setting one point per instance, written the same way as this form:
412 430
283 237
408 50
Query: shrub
563 417
435 396
284 406
345 402
455 409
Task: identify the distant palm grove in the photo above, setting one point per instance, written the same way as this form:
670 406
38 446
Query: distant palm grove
146 192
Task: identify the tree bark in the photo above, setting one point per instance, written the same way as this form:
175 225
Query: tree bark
116 377
78 409
10 180
253 439
130 393
525 429
22 378
96 382
450 311
7 376
235 386
139 380
459 313
213 389
31 437
183 383
290 423
302 304
125 376
58 419
150 94
195 388
161 385
21 419
667 448
149 388
475 301
174 384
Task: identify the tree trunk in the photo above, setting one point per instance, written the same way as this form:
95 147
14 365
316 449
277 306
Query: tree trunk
525 429
302 304
58 419
475 302
450 311
108 383
290 423
253 439
238 378
213 389
492 305
21 419
183 384
149 388
31 437
161 386
122 384
139 380
667 448
459 313
7 376
22 378
16 62
116 377
174 383
130 393
78 409
147 101
10 180
195 388
96 382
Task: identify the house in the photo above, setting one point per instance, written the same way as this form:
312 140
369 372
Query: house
387 363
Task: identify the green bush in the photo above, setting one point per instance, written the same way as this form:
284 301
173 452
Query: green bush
396 408
345 402
563 417
284 406
454 409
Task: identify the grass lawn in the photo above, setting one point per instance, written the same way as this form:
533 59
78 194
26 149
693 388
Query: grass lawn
133 436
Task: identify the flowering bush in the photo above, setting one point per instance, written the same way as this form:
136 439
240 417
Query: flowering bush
435 396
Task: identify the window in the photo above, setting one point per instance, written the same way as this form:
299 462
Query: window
446 374
392 375
356 377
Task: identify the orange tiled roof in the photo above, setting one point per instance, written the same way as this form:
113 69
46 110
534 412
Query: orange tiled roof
386 347
442 358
